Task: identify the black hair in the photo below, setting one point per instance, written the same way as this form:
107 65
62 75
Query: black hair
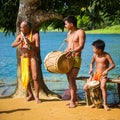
99 44
28 24
71 19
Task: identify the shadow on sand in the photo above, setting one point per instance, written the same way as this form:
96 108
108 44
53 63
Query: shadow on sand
15 110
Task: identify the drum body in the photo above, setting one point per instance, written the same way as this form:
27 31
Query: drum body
57 62
95 93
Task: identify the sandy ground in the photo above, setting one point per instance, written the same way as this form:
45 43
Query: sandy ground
19 109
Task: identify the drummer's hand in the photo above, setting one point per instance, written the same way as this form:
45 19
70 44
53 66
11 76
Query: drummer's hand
68 54
90 71
104 73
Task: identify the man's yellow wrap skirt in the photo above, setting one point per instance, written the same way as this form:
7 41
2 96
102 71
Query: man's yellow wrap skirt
25 71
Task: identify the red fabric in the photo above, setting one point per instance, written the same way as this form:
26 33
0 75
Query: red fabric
97 76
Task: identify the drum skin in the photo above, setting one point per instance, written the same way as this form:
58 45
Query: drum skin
56 62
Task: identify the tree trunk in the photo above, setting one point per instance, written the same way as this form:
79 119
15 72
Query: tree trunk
28 10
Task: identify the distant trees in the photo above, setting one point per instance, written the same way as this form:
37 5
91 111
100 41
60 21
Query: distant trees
91 13
8 15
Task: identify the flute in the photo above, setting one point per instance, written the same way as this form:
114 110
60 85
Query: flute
25 40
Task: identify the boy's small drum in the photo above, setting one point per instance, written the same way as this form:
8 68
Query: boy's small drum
95 93
57 62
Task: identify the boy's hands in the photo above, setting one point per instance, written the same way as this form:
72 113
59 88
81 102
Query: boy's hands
90 71
105 73
68 54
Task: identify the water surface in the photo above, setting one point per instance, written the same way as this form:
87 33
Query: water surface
51 41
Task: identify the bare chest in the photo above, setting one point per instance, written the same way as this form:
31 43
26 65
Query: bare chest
101 60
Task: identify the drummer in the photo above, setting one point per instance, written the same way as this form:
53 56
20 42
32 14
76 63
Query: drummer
103 63
75 40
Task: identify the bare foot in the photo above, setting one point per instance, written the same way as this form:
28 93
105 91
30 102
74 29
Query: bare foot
38 100
68 104
76 102
92 106
106 108
72 105
87 105
118 104
30 98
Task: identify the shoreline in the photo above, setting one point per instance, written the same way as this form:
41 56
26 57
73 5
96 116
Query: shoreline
87 32
19 109
112 93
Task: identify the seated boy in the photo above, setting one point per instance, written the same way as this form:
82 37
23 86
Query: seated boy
103 63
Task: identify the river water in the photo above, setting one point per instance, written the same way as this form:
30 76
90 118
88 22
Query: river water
51 41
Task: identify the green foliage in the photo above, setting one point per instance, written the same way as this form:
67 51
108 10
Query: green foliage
108 30
53 24
64 7
91 14
8 15
83 21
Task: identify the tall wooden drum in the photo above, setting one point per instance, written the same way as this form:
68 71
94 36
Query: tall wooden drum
95 93
57 62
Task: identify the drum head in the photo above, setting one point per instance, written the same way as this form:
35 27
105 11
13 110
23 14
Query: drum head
93 83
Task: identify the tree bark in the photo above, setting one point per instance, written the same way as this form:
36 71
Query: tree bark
28 10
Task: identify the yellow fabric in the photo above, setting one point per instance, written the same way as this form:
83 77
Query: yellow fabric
77 62
31 36
25 72
29 47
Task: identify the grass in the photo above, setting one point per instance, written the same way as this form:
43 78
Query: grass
108 30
